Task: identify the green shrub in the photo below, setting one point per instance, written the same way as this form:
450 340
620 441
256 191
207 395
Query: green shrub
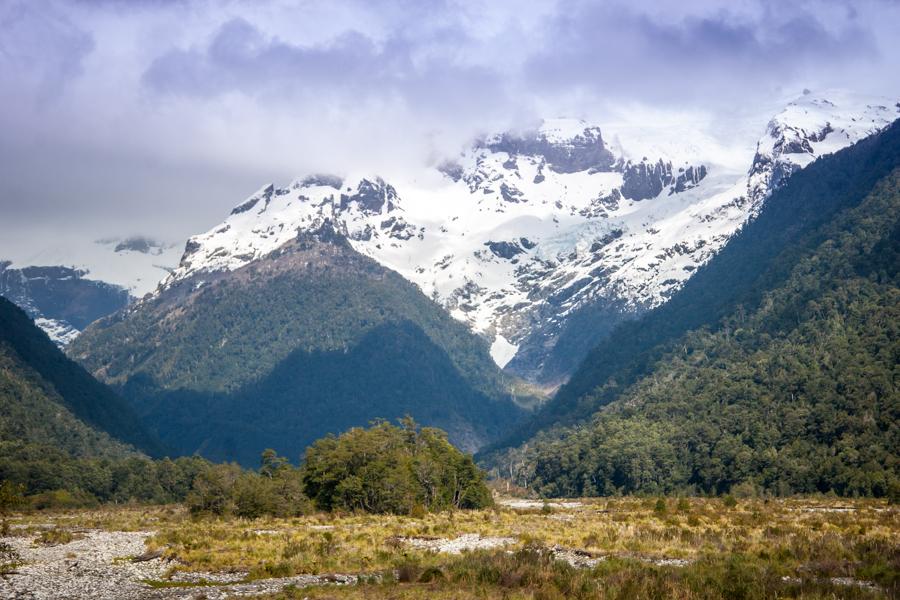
9 558
63 499
11 497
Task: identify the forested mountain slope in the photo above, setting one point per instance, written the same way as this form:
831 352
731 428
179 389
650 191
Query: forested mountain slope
756 260
788 382
47 399
311 339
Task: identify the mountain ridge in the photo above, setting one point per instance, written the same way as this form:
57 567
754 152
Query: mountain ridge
524 231
50 398
213 343
825 240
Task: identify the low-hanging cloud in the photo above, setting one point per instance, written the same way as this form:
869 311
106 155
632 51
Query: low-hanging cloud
146 108
349 70
240 58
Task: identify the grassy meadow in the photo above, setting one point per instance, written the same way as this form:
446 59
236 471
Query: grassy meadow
621 548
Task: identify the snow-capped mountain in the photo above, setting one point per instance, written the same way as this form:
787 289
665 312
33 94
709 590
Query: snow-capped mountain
67 284
523 230
61 300
135 263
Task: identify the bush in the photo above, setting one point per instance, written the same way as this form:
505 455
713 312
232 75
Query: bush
63 499
9 558
57 537
212 490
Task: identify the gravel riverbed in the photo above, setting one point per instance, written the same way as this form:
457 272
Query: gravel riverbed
99 566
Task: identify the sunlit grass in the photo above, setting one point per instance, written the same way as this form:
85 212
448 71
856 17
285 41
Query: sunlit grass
792 546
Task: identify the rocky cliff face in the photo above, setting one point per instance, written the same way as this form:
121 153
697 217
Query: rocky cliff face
562 146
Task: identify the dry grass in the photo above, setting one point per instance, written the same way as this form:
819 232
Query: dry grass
57 536
806 540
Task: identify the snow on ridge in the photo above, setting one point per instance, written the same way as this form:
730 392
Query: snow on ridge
59 332
108 259
509 243
562 129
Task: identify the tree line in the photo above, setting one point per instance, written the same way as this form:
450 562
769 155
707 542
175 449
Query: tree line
385 468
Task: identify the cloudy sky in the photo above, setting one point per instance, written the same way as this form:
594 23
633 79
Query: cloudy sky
158 115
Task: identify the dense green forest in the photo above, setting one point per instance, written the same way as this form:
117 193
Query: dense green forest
31 410
759 258
47 398
63 434
394 370
792 390
49 478
313 339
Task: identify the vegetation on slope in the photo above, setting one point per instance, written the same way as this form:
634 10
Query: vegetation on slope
314 339
48 399
30 409
221 331
758 259
794 393
394 370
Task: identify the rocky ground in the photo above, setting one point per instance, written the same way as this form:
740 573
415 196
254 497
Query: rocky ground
470 541
525 504
97 566
102 566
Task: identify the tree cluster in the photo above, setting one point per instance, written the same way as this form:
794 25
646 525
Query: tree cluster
388 469
52 478
226 489
382 469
